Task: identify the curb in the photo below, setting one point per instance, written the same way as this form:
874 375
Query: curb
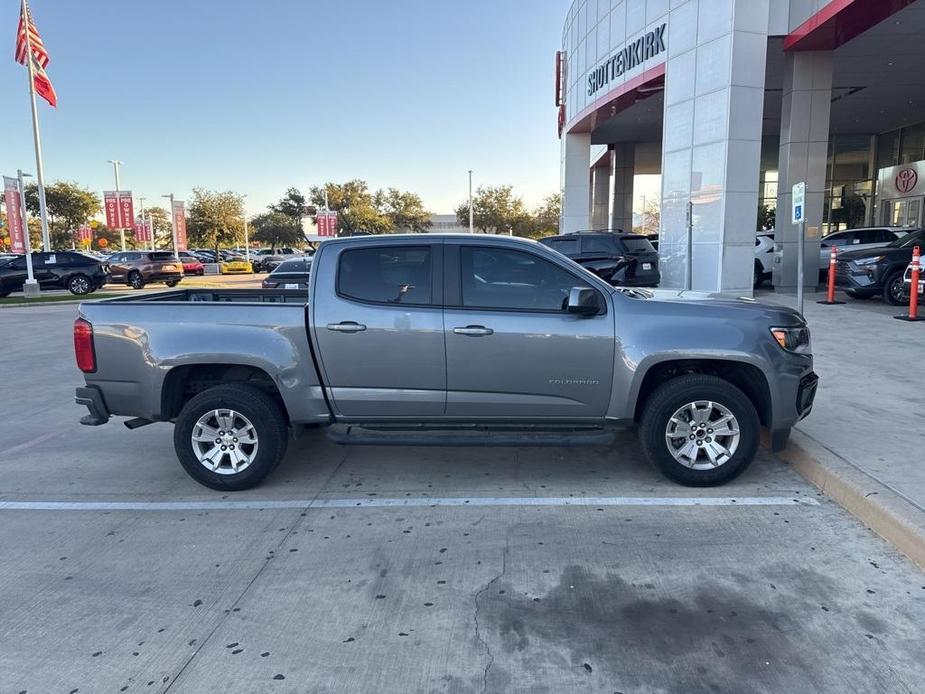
897 519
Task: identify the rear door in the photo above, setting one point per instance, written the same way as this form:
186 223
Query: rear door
377 313
512 350
118 267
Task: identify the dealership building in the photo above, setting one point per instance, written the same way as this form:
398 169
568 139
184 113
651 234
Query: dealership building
733 102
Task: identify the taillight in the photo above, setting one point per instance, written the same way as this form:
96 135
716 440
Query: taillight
83 346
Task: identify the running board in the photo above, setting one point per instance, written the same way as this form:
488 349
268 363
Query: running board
372 435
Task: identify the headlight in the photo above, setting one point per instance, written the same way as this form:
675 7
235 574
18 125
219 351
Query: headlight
792 339
868 261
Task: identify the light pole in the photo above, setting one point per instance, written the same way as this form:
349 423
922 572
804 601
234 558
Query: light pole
173 225
141 204
471 213
247 245
115 169
31 287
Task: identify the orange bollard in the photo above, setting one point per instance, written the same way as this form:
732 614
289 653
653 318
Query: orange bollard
913 289
830 296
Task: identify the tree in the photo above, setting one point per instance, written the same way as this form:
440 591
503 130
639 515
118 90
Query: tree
404 211
276 229
355 206
69 206
163 232
766 216
292 205
496 210
545 220
215 218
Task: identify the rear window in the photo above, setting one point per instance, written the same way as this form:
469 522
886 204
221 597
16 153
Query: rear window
300 265
386 275
160 255
638 244
599 244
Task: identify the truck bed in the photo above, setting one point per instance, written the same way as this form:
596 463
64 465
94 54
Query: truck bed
236 296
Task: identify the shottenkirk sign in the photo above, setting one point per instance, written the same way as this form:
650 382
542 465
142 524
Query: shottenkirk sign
632 54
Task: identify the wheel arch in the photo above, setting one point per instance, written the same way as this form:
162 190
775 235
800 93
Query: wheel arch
746 376
183 382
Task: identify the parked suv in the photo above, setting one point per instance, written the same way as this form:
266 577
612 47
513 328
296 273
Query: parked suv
865 274
858 239
622 259
138 268
78 273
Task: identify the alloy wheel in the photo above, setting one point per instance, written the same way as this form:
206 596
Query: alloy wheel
224 441
702 435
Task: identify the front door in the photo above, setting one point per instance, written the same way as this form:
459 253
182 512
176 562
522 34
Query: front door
118 267
378 321
512 349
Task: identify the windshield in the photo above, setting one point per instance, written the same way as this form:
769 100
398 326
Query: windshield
915 238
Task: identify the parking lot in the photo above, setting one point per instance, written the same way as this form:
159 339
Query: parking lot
398 569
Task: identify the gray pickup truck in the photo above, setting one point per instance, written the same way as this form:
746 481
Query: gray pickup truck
446 340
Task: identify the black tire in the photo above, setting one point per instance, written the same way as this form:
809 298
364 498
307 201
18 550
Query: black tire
172 283
759 275
269 423
4 294
136 280
854 294
674 394
893 288
79 285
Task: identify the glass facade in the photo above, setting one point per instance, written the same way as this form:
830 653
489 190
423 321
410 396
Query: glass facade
851 176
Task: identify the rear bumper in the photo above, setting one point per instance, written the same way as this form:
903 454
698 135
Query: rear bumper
91 397
164 277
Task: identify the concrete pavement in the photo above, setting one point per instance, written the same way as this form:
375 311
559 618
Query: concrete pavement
328 594
864 439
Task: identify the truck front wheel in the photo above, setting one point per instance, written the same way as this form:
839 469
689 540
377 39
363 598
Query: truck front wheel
699 430
230 437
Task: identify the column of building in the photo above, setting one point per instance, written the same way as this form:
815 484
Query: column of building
804 143
624 165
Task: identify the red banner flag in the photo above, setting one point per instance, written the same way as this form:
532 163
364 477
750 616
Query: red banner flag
85 235
326 222
179 217
140 232
111 204
126 210
14 215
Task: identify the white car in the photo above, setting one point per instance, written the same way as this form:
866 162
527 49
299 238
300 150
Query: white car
857 239
764 256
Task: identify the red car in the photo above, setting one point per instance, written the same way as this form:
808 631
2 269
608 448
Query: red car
191 264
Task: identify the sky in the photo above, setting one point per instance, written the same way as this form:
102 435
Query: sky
259 96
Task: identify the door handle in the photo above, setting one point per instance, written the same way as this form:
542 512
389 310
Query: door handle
474 331
347 326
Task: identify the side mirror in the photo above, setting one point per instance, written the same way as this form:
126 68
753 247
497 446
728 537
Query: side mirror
583 301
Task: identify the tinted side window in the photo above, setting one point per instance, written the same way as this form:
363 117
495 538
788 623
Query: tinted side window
599 245
386 275
18 264
507 279
837 240
568 247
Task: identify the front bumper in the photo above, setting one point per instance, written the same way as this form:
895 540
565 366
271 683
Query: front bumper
91 397
862 279
806 394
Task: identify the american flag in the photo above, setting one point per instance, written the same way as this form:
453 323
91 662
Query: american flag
40 79
35 40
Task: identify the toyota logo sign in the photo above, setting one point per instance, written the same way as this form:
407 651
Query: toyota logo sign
906 180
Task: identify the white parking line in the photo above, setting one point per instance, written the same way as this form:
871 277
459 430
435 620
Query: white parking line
370 502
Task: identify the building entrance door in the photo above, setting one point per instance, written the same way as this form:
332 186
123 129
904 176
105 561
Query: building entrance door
905 212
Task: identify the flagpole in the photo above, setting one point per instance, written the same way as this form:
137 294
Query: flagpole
39 169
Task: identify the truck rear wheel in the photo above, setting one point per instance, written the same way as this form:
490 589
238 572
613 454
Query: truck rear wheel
230 437
699 430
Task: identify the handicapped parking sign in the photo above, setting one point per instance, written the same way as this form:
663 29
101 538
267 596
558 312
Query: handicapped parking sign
799 195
